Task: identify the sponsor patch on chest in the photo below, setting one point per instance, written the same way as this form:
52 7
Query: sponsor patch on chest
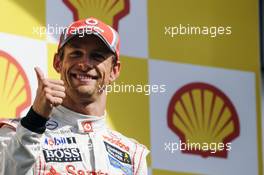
127 169
118 154
62 155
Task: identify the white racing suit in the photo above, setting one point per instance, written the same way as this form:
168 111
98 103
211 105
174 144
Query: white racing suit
68 143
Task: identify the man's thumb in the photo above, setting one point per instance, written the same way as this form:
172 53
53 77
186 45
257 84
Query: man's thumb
39 73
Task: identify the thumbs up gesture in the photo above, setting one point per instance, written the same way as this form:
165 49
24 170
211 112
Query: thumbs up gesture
50 93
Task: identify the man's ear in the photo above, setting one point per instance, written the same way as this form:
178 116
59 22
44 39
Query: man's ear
57 62
115 71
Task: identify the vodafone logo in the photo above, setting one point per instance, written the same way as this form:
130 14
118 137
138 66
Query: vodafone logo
87 126
117 142
91 22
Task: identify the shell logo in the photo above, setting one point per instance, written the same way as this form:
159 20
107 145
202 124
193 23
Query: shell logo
201 114
15 94
109 11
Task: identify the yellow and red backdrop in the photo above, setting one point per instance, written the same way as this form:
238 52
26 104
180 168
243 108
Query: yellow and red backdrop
212 84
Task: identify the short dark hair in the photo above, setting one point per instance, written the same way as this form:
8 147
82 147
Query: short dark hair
61 53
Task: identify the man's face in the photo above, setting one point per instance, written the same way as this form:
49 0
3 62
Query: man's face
86 66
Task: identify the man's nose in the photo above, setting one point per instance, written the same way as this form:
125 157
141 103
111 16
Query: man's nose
85 64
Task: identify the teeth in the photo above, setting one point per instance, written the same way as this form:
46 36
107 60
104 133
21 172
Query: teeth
83 76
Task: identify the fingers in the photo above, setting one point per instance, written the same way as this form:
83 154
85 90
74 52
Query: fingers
54 85
55 93
54 101
58 82
49 91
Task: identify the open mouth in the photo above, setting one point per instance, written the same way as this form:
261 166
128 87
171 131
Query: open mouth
84 77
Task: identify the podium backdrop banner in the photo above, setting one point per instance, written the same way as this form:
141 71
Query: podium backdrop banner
189 87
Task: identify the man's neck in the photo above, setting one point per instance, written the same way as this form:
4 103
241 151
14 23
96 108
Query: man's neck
95 108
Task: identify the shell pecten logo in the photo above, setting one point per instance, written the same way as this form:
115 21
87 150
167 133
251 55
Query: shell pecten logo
15 93
108 11
201 114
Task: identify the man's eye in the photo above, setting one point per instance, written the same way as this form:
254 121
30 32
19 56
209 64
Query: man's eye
97 56
76 54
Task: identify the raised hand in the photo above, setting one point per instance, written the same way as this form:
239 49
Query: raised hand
50 93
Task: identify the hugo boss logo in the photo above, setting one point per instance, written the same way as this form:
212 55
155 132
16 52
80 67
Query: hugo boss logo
62 155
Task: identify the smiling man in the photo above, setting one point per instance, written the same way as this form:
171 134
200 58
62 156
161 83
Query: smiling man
65 130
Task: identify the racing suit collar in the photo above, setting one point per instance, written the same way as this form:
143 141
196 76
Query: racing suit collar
84 123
